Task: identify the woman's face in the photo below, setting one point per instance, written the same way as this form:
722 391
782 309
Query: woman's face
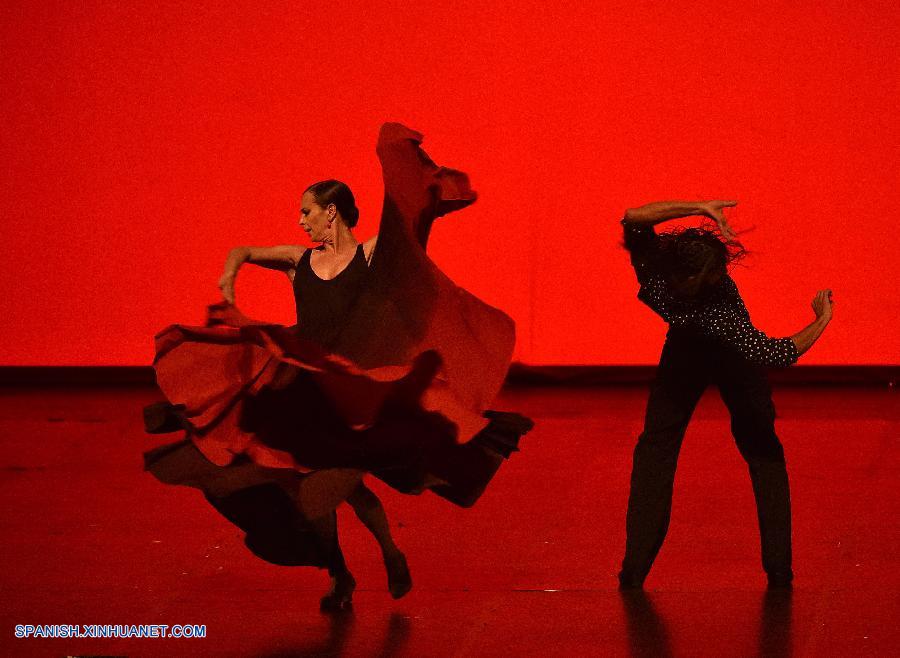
314 219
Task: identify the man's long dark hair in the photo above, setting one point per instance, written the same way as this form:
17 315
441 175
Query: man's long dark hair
694 260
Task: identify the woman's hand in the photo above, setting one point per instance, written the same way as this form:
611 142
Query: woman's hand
822 304
236 257
713 210
226 285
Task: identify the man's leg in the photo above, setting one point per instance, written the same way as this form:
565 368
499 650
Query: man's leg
746 392
679 383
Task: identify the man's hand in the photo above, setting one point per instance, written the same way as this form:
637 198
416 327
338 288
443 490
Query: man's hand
713 210
822 304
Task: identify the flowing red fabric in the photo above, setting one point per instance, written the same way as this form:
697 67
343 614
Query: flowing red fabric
414 340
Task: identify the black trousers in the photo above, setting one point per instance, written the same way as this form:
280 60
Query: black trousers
687 366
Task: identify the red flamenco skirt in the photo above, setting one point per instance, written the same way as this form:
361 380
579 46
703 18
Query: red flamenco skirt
279 431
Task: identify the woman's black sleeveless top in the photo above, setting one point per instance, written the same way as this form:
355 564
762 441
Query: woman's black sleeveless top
323 305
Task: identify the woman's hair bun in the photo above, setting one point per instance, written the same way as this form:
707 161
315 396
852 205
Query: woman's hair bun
334 191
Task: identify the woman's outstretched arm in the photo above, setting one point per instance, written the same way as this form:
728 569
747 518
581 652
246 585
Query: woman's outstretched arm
283 258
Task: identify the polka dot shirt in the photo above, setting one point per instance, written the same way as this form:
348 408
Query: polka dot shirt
721 315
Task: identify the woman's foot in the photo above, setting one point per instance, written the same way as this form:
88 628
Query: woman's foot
340 597
399 580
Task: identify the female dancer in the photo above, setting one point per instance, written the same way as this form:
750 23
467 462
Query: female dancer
683 278
378 376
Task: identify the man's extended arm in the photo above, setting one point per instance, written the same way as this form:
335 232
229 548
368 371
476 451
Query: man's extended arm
733 327
661 211
806 337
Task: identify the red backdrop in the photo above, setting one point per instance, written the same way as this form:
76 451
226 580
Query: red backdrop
140 143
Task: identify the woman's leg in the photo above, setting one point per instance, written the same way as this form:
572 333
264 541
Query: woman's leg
371 512
342 581
317 495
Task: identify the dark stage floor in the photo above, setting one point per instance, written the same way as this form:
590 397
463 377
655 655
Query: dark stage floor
88 538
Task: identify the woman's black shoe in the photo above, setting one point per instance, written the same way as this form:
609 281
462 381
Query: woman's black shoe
399 578
340 598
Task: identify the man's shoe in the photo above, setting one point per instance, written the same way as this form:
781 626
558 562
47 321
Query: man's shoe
629 581
781 579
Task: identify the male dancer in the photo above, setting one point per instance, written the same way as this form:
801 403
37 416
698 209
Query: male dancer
683 278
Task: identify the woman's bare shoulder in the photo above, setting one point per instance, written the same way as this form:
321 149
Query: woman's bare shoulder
293 251
284 257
